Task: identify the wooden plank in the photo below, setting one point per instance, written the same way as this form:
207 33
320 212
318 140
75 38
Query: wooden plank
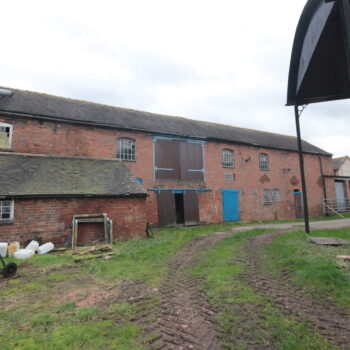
87 215
344 257
111 231
90 256
329 241
95 220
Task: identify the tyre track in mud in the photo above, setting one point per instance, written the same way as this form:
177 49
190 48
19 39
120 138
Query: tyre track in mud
184 317
323 315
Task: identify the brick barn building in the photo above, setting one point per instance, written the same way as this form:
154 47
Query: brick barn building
193 171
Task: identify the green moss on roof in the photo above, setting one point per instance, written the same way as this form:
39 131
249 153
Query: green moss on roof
27 175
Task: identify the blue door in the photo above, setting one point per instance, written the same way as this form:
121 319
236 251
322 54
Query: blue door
230 205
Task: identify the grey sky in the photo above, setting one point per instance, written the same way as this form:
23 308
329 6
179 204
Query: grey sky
225 61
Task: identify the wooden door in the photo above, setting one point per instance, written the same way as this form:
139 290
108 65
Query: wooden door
191 208
166 208
298 204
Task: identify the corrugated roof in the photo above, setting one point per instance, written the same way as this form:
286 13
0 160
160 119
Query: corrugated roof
28 175
47 106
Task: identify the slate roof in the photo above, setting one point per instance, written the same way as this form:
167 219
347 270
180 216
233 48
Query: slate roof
65 109
338 162
41 176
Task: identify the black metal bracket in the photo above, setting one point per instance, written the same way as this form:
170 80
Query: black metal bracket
301 108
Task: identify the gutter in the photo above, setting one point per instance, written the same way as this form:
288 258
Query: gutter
52 196
338 177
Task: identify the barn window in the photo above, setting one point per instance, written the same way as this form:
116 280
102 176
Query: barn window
227 158
6 210
267 197
264 162
275 195
5 135
126 149
229 177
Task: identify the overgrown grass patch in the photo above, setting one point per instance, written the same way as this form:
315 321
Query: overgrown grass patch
312 266
246 316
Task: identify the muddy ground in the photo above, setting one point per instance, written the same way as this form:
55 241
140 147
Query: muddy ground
186 321
177 315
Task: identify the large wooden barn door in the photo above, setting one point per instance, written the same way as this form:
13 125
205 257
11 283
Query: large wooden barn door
166 208
178 207
191 208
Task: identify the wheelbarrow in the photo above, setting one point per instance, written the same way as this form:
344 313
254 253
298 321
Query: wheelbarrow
8 270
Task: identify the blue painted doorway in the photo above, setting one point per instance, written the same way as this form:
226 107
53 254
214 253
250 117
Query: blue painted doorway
230 205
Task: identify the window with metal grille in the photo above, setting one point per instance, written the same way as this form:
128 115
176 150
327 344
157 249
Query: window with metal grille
6 210
5 135
264 162
126 149
227 158
267 197
275 195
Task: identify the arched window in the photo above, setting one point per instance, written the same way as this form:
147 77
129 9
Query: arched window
264 162
227 159
126 149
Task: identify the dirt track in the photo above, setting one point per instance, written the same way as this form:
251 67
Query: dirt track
330 321
185 320
178 316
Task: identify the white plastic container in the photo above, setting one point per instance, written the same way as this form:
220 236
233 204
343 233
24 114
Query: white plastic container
12 248
45 248
24 253
3 249
34 245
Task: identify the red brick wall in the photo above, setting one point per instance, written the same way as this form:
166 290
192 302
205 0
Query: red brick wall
51 219
284 175
31 136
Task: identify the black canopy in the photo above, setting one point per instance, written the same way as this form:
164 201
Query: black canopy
320 62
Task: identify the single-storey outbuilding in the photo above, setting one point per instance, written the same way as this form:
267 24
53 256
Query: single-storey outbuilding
40 194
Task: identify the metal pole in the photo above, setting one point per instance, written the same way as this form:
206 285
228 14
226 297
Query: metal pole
302 171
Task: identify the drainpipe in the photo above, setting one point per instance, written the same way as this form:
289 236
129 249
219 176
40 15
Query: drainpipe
323 178
323 182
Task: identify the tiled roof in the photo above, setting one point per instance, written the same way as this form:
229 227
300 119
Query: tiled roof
338 162
28 175
65 109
